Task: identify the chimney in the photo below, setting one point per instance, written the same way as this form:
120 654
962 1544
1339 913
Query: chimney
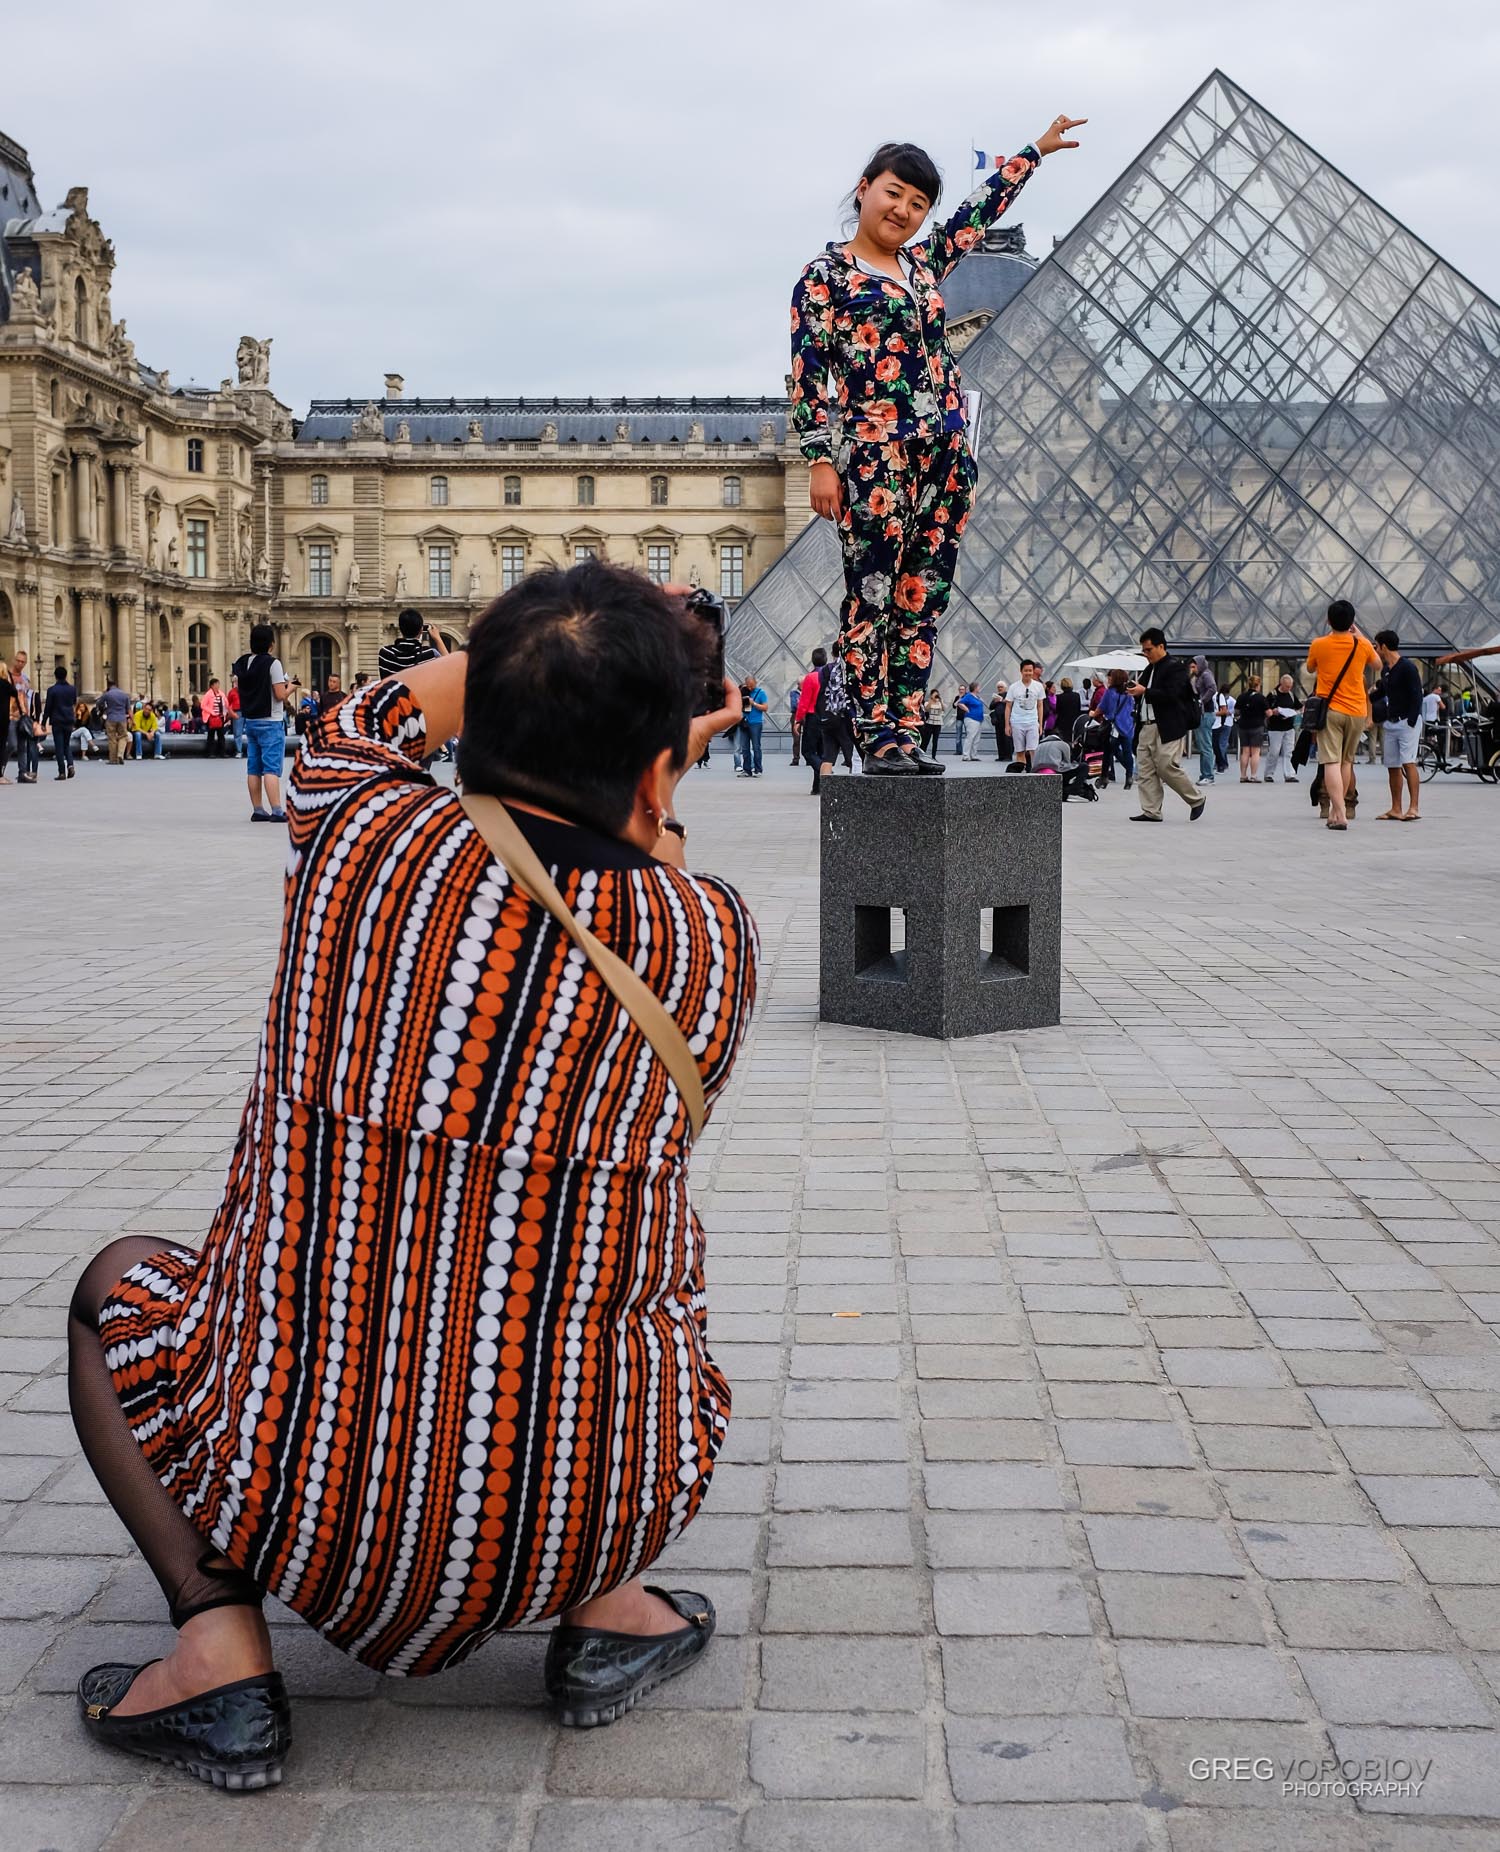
395 386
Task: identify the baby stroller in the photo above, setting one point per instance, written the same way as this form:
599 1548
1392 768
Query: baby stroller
1090 737
1053 757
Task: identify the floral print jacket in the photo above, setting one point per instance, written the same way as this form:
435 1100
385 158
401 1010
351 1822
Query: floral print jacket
886 354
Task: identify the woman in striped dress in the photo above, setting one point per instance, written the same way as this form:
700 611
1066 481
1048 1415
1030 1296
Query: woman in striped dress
440 1367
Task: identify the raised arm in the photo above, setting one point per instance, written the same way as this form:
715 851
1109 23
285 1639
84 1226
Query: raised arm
945 244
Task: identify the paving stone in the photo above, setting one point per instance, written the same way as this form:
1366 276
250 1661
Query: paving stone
1271 1449
36 1586
1453 1555
996 1540
1428 1501
1122 1443
1319 1552
1179 1607
1195 1764
1385 1408
62 1819
1160 1546
1024 1677
1297 1497
395 1823
1376 1687
833 1539
984 1440
841 1673
1004 1601
836 1487
812 1756
1464 1777
1053 1829
1473 1614
176 1821
1356 1614
449 1748
843 1440
842 1601
1183 1680
1404 1450
963 1486
1146 1489
1039 1758
664 1756
840 1826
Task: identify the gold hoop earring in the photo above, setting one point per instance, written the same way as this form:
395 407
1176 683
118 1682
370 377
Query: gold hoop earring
661 823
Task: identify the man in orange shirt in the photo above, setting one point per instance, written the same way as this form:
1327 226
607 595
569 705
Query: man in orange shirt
1339 660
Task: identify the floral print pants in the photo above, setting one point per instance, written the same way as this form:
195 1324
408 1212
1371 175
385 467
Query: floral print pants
905 505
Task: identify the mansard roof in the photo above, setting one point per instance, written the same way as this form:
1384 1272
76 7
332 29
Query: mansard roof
582 421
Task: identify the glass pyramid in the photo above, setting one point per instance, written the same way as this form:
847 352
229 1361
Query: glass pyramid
1236 390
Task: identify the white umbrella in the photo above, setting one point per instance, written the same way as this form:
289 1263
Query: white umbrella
1112 659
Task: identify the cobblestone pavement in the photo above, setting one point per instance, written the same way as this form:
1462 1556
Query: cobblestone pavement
1107 1398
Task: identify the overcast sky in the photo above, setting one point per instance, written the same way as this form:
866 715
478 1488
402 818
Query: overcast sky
599 198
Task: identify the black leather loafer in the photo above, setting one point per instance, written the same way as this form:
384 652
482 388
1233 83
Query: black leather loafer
889 765
593 1676
235 1736
924 762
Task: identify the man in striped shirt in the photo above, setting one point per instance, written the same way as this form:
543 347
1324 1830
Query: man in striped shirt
416 643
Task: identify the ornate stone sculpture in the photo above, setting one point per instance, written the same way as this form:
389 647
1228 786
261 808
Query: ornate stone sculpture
403 432
245 547
16 532
474 592
767 431
549 433
153 539
695 578
622 430
25 298
354 578
369 423
400 591
695 431
174 564
252 361
284 583
262 569
164 383
476 431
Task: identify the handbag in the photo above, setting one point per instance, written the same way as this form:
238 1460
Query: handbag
503 838
1315 708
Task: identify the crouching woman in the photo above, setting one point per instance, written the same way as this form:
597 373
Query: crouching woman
440 1368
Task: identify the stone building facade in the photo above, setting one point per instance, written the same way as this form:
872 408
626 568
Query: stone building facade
144 526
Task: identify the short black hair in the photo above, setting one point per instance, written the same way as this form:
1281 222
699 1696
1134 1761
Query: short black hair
409 623
909 163
819 657
1340 615
1387 639
576 680
262 637
1155 636
60 673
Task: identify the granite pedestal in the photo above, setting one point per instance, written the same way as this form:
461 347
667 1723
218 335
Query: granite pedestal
941 903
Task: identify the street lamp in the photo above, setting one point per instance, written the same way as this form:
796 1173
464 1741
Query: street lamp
151 681
179 684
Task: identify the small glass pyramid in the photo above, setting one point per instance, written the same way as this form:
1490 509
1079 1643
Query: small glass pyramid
1236 390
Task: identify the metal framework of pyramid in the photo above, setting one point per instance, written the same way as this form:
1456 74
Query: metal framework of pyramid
1236 390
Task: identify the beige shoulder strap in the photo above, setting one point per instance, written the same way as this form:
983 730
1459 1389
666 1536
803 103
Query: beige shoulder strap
519 860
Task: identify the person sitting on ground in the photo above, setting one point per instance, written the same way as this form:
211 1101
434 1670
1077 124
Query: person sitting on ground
441 1367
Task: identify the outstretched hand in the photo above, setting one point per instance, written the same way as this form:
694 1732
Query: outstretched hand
1057 130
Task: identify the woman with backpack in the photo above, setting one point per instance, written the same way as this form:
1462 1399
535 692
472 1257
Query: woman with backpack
868 337
835 712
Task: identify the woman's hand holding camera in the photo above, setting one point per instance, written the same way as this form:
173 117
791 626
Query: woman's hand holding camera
706 726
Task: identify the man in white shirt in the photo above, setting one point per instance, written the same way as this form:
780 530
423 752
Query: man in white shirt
1023 713
1223 726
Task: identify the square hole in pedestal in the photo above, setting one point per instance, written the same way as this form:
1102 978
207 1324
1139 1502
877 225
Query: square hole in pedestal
1004 943
880 944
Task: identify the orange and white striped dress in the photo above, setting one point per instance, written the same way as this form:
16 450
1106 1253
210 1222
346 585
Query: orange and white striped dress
441 1366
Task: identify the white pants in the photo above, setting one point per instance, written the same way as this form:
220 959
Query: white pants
1278 752
974 740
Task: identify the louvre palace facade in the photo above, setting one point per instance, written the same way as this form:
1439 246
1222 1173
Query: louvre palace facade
1237 389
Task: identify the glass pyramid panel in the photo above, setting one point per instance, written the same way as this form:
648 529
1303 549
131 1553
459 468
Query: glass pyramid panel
1239 388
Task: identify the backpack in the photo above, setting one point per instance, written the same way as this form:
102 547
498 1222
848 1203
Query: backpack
833 690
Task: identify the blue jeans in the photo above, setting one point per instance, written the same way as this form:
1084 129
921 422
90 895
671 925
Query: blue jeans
1205 739
237 721
153 750
749 751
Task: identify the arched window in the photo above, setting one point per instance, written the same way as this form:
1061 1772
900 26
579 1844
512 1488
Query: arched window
512 491
319 495
82 330
585 491
439 491
734 491
319 660
197 664
658 491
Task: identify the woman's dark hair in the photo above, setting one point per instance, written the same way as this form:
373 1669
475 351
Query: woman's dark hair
262 636
907 162
576 681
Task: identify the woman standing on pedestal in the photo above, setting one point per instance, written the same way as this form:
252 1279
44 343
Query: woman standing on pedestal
898 477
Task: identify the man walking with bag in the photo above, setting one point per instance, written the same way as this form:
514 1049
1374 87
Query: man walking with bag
1337 710
1168 712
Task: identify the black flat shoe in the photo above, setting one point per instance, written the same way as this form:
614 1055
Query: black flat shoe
594 1676
235 1736
890 765
924 762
